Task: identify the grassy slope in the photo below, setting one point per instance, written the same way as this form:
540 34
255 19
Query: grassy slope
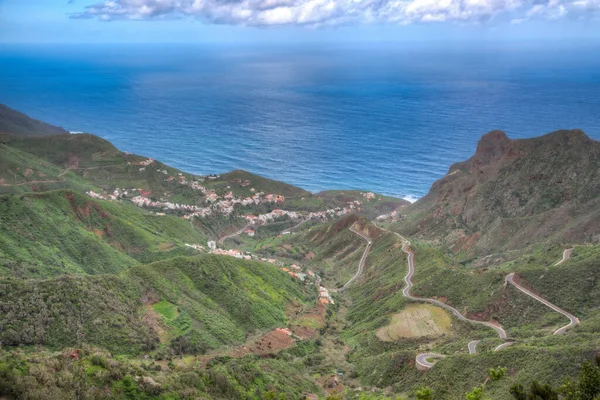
98 162
98 375
22 172
481 293
259 183
219 300
60 232
19 124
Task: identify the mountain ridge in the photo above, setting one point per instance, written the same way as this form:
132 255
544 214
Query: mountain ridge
506 180
19 124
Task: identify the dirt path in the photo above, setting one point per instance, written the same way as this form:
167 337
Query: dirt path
236 233
32 182
295 226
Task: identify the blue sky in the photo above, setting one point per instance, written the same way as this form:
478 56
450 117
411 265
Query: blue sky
461 21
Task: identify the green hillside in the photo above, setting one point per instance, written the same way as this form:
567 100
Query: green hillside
16 123
103 298
62 231
192 305
514 193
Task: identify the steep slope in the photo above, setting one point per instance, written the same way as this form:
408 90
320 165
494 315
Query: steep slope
101 164
513 193
191 305
60 232
15 123
22 172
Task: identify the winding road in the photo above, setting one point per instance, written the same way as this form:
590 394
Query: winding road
573 320
473 346
406 292
295 226
363 260
221 240
422 359
503 345
566 256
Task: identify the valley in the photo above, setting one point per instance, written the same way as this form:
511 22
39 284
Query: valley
122 277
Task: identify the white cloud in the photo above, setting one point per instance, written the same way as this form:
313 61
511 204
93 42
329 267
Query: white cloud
518 21
336 12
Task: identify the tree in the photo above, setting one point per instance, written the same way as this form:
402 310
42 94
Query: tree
476 394
518 392
424 393
542 392
589 381
498 373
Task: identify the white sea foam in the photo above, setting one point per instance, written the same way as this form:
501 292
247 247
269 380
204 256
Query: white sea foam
410 197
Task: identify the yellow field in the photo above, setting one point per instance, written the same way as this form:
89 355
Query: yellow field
416 321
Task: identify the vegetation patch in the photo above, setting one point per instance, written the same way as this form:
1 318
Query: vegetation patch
417 320
167 310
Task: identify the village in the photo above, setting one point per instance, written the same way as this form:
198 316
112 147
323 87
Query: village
221 205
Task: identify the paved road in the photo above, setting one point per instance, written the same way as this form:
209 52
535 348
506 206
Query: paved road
221 240
422 359
295 226
473 346
566 256
406 292
503 345
573 319
363 260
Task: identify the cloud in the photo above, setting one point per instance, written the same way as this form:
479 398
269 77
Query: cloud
518 21
338 12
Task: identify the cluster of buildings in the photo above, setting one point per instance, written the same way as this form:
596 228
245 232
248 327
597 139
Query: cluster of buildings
143 201
271 216
115 195
335 212
232 253
241 182
324 296
369 196
391 216
225 206
198 247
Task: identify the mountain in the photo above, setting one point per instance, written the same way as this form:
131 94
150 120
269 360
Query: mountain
514 193
15 123
124 278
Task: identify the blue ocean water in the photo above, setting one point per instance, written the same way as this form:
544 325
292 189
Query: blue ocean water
390 119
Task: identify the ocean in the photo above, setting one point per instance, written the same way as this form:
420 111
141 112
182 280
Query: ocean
388 118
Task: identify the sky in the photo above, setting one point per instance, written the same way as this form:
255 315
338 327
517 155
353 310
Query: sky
183 21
